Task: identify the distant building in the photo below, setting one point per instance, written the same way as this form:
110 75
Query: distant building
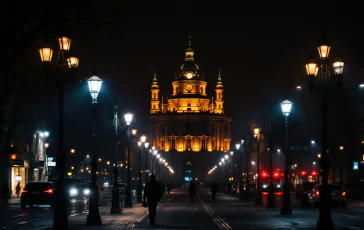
189 128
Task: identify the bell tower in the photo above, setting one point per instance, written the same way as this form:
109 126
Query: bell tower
154 89
219 89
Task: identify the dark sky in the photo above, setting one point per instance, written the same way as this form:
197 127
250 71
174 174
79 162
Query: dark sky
260 48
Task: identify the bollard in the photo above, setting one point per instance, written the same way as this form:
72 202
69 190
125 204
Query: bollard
304 200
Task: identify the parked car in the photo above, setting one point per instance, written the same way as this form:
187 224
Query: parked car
37 193
337 192
355 190
304 189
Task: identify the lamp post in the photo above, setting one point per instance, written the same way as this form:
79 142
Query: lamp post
64 64
258 198
128 119
140 187
286 106
233 162
271 200
93 218
156 165
227 170
146 144
154 152
115 205
341 167
320 79
241 188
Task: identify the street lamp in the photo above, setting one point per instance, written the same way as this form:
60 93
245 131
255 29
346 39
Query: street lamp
146 144
286 106
140 145
154 152
340 167
94 84
63 70
128 119
72 151
258 199
233 162
320 79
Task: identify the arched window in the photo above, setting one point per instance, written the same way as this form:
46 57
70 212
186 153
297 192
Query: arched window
189 104
153 106
154 96
201 90
177 89
219 95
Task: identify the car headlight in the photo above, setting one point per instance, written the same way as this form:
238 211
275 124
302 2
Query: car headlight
86 192
278 186
73 192
264 186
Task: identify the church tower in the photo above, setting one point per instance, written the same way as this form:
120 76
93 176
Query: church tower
154 89
219 89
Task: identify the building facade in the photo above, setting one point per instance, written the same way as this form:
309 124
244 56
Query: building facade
188 127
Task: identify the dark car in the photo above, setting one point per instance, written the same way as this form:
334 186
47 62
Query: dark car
355 190
304 189
37 193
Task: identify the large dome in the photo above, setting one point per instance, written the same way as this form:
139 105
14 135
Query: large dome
189 70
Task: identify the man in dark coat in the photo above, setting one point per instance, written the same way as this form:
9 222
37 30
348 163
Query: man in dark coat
152 192
213 190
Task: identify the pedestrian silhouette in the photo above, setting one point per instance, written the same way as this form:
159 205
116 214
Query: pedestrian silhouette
192 189
153 193
213 190
17 189
169 188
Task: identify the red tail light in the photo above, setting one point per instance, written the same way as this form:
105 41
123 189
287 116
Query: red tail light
24 191
317 193
49 191
343 194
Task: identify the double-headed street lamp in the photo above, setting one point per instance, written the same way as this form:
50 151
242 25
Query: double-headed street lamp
64 65
286 106
320 79
94 84
258 198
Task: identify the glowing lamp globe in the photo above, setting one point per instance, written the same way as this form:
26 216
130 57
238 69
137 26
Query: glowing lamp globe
286 106
94 85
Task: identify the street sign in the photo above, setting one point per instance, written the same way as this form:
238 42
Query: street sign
355 165
298 148
17 163
51 161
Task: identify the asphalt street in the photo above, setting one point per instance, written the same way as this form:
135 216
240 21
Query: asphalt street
228 212
12 216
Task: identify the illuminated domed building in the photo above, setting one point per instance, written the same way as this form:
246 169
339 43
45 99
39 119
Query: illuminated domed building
189 127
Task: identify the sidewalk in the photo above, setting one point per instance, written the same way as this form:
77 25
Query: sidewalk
126 219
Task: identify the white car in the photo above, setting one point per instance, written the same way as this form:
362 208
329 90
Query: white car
337 191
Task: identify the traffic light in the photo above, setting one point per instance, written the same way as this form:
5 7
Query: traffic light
13 156
276 174
314 173
303 173
264 174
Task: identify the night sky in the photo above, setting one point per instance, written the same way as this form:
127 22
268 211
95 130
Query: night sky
261 50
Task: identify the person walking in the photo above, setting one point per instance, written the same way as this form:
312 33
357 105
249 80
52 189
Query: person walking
213 190
192 189
152 193
17 189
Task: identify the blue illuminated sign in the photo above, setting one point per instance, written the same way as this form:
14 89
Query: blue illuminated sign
355 165
187 178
